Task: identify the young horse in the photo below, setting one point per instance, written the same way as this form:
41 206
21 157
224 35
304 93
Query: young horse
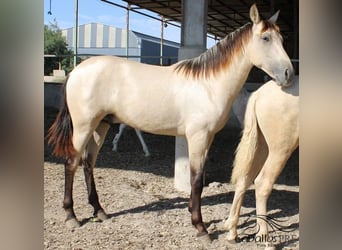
270 136
191 98
140 137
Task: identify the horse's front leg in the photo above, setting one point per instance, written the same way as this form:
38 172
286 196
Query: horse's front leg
199 144
88 163
196 192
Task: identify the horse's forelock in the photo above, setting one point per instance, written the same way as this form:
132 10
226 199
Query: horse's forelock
267 25
217 57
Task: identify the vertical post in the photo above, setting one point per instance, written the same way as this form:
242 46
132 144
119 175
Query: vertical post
76 33
161 40
272 7
193 43
127 29
295 35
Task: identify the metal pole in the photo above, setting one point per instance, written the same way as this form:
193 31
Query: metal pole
272 7
295 35
161 40
127 29
76 33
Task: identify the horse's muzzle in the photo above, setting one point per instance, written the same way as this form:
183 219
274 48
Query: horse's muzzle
285 77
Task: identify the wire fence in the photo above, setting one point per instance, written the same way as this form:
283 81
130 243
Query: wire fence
56 61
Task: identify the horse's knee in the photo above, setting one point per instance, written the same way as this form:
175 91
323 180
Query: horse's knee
196 180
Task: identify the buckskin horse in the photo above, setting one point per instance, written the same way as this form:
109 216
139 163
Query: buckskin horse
270 135
191 98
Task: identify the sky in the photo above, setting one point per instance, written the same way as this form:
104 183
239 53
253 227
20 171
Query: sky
96 11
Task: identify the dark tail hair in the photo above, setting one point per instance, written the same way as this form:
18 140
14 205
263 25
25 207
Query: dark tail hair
60 132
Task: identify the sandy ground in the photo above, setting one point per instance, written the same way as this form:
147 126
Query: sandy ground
146 212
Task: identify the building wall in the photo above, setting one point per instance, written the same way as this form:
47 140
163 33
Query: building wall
149 48
95 37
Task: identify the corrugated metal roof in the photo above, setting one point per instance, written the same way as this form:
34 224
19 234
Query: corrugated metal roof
225 16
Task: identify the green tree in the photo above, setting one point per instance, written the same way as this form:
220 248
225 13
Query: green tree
55 44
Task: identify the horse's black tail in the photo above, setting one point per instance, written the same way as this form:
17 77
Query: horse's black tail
60 132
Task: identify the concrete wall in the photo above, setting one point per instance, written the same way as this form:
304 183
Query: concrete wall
52 94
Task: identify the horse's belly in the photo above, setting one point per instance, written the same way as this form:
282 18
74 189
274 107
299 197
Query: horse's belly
152 118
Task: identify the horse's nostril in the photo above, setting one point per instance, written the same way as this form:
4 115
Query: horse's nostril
287 73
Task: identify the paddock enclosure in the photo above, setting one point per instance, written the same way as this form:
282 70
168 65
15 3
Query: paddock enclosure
146 211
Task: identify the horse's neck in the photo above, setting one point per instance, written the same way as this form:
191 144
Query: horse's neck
229 82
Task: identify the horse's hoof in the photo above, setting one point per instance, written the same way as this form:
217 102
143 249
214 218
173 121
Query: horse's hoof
101 215
231 238
231 241
204 238
72 223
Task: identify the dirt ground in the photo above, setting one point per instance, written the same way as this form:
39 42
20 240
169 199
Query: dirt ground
146 212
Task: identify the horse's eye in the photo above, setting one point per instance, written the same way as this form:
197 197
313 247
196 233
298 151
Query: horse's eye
266 38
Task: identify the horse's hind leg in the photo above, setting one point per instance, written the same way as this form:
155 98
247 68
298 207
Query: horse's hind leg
241 186
88 163
142 142
263 186
70 167
80 139
240 189
117 137
233 219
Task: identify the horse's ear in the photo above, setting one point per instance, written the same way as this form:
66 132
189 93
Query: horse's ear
273 19
254 14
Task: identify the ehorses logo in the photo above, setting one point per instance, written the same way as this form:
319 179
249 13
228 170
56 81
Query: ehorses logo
282 232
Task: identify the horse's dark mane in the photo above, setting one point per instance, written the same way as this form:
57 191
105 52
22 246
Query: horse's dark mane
218 56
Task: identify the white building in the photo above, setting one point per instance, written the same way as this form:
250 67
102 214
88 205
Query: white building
100 39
